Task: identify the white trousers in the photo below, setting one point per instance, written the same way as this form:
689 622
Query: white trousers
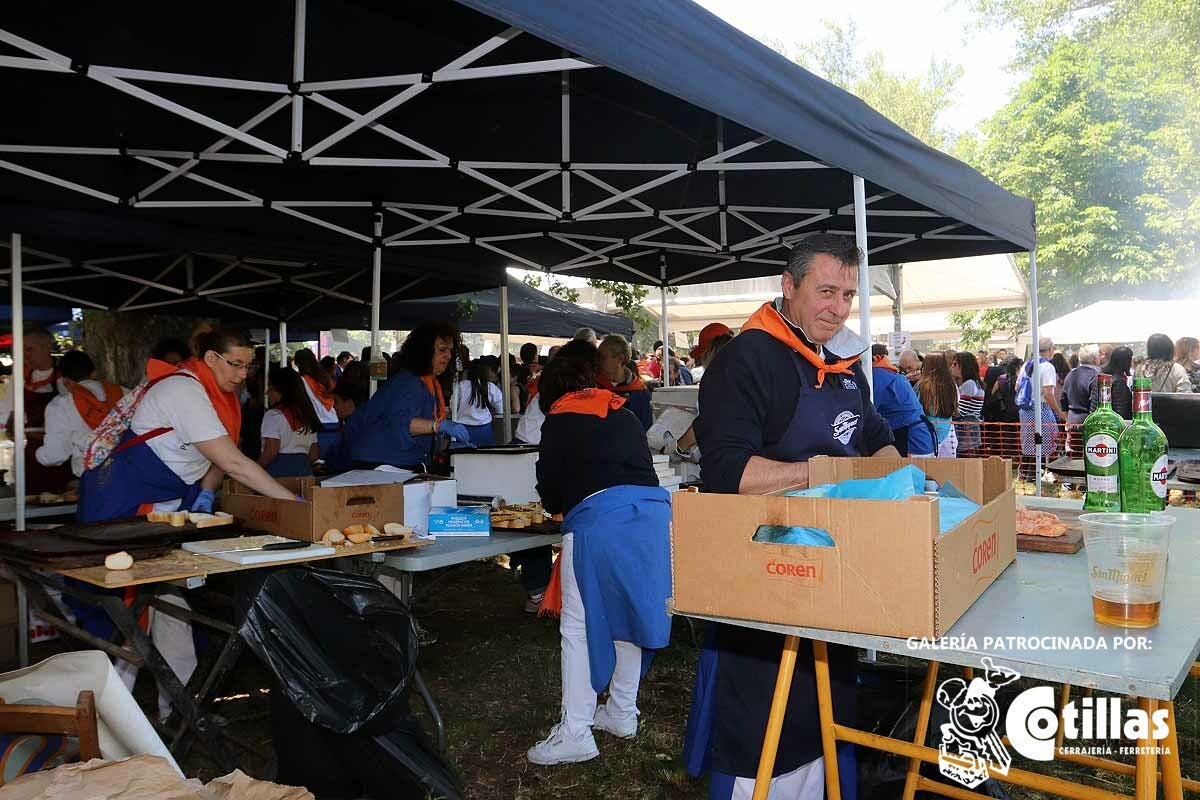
802 783
578 697
173 638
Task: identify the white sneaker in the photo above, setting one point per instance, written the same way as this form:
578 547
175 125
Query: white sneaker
622 728
560 748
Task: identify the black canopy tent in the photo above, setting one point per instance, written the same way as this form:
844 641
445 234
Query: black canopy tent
530 312
625 139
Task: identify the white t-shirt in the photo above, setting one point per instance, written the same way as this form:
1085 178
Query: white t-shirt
1047 374
181 404
67 435
529 428
327 416
6 402
275 426
470 413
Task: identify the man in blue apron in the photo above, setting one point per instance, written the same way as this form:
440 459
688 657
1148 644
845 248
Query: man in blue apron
789 387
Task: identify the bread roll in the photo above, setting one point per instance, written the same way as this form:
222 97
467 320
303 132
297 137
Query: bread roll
214 521
350 530
198 516
359 538
396 529
178 519
118 561
158 516
371 529
333 536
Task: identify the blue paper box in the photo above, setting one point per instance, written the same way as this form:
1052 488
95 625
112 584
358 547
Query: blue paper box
460 521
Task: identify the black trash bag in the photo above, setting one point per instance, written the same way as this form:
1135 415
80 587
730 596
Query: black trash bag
342 647
889 700
342 650
396 763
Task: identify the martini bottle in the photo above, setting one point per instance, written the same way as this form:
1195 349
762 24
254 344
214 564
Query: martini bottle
1142 452
1101 430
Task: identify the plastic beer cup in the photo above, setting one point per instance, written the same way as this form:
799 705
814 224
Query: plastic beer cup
1127 566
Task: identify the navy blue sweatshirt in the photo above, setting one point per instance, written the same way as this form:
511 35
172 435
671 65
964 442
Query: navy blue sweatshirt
747 400
582 454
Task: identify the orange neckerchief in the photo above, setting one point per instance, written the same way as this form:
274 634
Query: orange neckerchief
769 320
532 388
435 389
32 386
293 419
323 395
883 363
92 409
226 404
605 382
593 402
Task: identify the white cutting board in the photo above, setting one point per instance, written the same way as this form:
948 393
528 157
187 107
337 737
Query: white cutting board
255 556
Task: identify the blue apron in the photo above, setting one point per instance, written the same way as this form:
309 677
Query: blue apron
130 476
735 679
290 465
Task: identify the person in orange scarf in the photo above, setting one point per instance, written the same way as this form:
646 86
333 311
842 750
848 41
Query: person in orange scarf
791 385
596 470
289 427
405 419
71 417
614 374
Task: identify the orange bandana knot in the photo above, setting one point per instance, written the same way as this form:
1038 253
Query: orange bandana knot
770 321
593 402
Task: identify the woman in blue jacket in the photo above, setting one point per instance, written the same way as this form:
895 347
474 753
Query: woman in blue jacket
400 424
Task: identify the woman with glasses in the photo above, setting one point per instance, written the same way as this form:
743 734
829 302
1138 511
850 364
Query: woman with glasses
182 438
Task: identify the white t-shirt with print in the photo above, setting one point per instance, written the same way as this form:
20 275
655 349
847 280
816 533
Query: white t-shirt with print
275 426
182 404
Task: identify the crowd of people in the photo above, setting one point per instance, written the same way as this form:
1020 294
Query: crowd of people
789 386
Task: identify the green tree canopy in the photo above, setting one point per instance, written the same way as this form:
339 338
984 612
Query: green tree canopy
1104 137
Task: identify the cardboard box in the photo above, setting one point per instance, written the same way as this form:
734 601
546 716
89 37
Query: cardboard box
889 573
460 521
422 495
324 508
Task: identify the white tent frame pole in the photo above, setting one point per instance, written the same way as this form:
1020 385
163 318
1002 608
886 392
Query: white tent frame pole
1036 376
266 366
664 323
864 276
505 367
283 342
18 389
298 32
376 290
18 379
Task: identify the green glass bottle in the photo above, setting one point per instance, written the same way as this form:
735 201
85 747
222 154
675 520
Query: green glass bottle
1101 430
1142 452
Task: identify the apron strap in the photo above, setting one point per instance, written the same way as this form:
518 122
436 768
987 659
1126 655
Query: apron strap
136 440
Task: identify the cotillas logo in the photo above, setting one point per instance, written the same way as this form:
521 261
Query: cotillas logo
983 552
844 425
804 571
971 748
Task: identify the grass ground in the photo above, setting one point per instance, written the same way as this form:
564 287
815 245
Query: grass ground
494 672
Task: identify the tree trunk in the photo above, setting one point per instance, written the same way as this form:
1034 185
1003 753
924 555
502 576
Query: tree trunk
120 343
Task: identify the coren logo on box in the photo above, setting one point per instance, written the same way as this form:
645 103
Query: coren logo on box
984 552
264 515
361 515
804 571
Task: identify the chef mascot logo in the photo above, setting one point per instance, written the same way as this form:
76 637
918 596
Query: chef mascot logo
971 747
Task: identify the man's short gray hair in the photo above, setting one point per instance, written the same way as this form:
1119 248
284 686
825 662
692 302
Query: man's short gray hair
1089 354
615 343
843 248
586 334
1045 343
